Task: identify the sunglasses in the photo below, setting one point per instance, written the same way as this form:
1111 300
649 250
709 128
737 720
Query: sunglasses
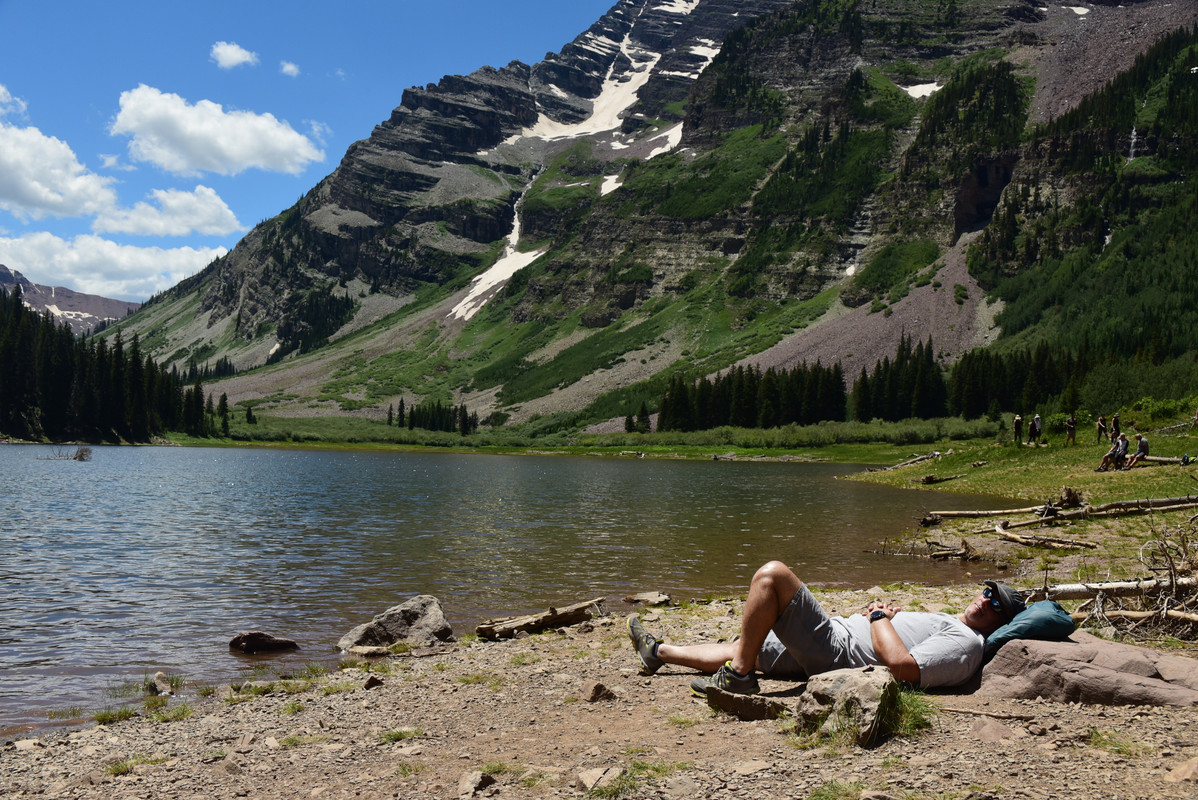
992 596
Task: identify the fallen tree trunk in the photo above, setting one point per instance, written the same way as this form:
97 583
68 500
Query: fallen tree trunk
908 462
554 617
1082 616
979 514
1086 591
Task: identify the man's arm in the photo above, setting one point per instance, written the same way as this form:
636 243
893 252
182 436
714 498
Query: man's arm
889 647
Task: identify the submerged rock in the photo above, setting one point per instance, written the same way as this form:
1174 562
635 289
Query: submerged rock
253 642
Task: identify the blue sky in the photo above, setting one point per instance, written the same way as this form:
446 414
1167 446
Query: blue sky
140 140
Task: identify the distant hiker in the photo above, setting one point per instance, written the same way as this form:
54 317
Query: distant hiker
1101 426
1115 456
1071 429
785 634
1033 430
1115 432
1141 451
1018 429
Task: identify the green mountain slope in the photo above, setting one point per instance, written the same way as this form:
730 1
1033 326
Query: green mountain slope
838 166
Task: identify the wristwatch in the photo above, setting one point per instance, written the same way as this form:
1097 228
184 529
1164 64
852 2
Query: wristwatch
877 615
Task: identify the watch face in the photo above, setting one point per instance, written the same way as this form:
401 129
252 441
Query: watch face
877 615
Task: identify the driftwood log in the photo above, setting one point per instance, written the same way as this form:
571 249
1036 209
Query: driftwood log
928 480
530 623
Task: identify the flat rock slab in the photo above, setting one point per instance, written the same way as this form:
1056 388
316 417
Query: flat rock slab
1086 669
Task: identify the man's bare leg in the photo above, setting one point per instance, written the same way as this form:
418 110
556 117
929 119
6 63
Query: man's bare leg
772 589
703 657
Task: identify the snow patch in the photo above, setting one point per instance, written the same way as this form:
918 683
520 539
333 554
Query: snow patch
673 138
610 184
1081 11
480 289
922 90
683 7
616 97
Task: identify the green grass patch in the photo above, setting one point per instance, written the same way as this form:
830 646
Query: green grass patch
111 715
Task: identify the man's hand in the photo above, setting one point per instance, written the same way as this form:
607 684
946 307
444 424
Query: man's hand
889 647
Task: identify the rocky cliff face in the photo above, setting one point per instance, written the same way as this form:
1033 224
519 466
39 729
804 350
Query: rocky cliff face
435 185
82 312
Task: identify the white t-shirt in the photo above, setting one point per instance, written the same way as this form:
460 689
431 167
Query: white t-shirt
947 650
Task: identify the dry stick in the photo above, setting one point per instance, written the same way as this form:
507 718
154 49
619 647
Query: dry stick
994 714
1044 541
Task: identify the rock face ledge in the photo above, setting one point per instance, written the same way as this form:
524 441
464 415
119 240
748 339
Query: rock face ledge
1086 669
419 620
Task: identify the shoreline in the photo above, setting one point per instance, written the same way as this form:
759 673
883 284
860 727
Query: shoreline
535 714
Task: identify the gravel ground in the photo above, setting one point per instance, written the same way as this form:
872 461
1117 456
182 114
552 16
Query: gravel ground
536 713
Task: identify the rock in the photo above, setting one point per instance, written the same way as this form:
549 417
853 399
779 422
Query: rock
649 599
29 744
858 699
748 707
418 620
472 783
991 730
161 684
253 642
1086 669
373 682
598 778
1185 772
599 692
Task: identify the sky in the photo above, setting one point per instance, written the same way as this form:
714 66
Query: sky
139 140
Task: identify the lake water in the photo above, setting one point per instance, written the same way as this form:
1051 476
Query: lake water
149 558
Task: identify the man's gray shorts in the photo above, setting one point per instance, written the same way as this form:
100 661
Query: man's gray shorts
804 641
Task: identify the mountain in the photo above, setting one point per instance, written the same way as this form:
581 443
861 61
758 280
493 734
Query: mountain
692 184
82 312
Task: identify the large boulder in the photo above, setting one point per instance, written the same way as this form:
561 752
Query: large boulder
1086 669
419 620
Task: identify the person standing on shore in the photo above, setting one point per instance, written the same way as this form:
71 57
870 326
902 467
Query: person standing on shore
1071 429
1101 428
786 634
1018 428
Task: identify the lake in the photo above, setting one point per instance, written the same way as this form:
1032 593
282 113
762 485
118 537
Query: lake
149 558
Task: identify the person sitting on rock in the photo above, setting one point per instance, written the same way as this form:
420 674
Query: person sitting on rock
1141 451
1114 457
786 634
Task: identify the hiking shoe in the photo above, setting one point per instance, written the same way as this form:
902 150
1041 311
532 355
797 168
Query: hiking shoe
726 679
645 645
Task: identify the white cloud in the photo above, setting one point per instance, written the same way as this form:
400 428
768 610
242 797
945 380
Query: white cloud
188 139
228 55
9 104
40 175
96 265
289 69
178 213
